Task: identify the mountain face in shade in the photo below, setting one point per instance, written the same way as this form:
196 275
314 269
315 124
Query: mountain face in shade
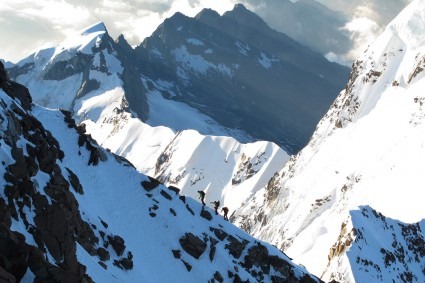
237 70
71 211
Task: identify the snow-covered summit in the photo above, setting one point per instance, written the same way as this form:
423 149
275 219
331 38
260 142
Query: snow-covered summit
368 150
98 27
80 42
393 60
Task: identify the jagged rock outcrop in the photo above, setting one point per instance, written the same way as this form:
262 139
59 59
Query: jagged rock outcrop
54 223
56 226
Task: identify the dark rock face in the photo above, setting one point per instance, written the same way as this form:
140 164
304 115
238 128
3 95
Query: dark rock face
103 254
64 69
218 277
58 224
235 247
117 243
220 234
151 184
13 253
135 92
75 182
15 90
205 214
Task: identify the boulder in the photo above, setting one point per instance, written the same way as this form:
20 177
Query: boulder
151 184
103 254
192 245
205 214
234 246
117 244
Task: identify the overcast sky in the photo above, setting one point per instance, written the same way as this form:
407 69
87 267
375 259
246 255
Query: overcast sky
28 25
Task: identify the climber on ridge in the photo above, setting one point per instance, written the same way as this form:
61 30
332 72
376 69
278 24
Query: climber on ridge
216 204
225 210
201 196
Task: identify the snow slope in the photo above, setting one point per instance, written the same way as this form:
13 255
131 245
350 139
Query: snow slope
368 150
72 210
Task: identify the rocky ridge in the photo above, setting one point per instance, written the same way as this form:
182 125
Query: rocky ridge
52 230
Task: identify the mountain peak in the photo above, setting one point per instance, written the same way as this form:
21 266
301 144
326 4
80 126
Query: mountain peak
409 24
207 13
241 14
240 7
95 28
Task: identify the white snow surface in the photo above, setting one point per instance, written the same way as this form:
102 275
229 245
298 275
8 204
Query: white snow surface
197 63
369 149
265 61
243 48
195 41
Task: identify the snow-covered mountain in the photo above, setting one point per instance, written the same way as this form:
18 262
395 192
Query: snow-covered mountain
350 205
234 69
84 75
120 95
71 211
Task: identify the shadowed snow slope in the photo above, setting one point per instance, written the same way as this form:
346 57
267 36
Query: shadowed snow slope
369 149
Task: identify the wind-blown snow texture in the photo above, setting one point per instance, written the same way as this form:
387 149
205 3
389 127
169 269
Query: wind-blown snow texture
368 150
71 210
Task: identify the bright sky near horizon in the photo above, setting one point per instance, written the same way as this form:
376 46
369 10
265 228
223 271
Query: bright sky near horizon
28 25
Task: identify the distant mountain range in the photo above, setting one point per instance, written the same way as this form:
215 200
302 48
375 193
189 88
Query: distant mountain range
232 68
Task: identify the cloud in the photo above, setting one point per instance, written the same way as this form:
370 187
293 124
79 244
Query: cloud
340 29
363 32
27 25
367 20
